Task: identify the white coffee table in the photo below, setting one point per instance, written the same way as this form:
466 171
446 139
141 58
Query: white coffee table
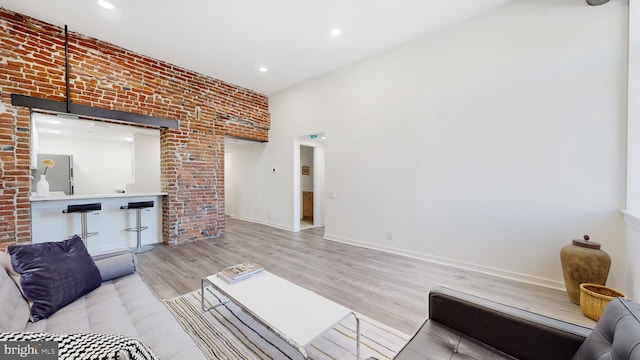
294 313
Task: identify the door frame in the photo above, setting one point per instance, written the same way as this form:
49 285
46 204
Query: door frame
318 179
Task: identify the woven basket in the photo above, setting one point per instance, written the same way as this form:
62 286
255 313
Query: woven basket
594 298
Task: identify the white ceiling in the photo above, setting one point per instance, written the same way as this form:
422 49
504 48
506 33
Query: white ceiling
230 39
71 126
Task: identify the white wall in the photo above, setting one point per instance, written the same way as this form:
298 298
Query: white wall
632 214
633 161
243 165
99 166
632 285
229 187
146 165
306 181
306 159
320 195
489 145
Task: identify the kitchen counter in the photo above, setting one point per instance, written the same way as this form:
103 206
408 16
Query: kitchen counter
53 196
49 223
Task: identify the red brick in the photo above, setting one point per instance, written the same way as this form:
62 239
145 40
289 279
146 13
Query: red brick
99 73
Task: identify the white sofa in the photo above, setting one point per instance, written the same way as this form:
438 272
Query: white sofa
123 305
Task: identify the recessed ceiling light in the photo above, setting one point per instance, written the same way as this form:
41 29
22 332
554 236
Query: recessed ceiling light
56 122
103 125
128 139
105 4
54 131
336 32
263 69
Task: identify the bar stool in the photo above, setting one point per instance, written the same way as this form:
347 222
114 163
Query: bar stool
83 209
138 207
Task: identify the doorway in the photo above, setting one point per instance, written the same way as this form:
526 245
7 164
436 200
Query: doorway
308 181
306 186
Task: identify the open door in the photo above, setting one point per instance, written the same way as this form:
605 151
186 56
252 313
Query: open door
309 181
307 186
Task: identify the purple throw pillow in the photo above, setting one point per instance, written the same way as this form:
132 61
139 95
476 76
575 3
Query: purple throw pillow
53 274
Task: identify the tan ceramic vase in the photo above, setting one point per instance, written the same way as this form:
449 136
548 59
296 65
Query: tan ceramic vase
583 262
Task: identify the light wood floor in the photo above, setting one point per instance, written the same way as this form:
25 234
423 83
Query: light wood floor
386 287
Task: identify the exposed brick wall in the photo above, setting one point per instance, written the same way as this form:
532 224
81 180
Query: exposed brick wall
103 75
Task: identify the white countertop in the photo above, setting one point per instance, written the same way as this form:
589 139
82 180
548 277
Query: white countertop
55 197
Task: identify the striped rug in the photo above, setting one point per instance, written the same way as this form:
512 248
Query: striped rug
227 332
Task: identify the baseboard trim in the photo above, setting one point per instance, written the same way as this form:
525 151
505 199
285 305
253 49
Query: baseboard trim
552 284
631 219
262 222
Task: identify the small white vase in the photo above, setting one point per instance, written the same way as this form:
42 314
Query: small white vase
42 187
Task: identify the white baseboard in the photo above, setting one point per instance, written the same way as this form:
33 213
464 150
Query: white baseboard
631 219
557 285
262 222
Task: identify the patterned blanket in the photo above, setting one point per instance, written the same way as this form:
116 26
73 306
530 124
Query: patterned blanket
87 346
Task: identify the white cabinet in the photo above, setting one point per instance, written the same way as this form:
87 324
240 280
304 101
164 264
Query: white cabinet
48 223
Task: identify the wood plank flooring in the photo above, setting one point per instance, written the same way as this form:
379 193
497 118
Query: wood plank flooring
386 287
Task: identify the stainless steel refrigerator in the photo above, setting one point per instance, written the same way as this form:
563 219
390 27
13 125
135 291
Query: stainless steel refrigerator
59 176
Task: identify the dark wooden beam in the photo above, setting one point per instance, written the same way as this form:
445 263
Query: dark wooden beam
90 111
244 139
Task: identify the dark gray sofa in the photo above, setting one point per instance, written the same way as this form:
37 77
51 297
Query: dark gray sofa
463 326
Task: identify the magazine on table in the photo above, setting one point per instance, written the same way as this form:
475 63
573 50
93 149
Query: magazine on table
239 272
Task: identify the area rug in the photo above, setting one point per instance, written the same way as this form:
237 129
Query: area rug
227 332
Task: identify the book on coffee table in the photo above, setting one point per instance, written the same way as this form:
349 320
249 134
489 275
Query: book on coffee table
239 272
